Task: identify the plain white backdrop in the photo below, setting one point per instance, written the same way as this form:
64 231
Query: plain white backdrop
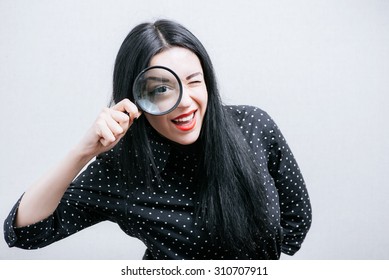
319 68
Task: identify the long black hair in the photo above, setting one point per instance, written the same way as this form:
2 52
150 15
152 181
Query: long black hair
232 198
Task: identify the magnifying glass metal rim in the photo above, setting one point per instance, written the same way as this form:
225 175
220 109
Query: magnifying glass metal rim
136 96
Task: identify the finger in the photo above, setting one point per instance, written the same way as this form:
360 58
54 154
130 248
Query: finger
107 118
105 134
115 127
120 117
123 119
127 106
106 143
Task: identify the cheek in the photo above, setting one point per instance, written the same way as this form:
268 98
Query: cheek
205 101
201 97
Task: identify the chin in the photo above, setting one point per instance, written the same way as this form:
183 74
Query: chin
187 139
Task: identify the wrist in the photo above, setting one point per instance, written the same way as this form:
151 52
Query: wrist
80 156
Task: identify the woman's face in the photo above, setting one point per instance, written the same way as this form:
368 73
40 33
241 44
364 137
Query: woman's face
182 125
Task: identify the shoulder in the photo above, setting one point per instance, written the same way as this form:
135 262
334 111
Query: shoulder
247 115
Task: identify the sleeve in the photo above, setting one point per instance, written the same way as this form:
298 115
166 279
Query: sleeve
86 202
296 214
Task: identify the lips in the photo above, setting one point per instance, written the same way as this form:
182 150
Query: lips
185 122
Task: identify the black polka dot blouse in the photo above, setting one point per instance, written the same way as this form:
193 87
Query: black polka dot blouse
163 219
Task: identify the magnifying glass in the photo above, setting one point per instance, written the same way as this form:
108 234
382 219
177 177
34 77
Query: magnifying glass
157 90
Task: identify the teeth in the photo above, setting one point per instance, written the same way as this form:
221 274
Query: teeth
186 119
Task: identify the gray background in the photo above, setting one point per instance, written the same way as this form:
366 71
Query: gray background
319 68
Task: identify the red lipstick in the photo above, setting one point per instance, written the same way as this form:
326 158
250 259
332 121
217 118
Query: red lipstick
185 122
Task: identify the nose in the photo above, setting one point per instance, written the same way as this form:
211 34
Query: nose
186 99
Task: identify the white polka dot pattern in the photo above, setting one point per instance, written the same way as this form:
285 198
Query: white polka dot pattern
163 218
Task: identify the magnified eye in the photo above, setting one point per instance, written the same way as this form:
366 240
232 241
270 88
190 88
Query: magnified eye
159 90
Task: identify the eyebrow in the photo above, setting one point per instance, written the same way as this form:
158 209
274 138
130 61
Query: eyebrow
158 79
193 75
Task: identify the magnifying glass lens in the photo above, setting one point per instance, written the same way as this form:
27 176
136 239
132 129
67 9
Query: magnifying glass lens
157 90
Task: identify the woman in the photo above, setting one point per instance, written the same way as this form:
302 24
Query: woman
205 181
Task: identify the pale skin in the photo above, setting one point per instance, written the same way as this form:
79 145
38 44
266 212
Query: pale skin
42 198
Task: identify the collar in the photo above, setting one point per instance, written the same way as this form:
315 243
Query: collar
163 148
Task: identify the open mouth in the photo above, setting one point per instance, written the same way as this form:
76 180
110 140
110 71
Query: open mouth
185 122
